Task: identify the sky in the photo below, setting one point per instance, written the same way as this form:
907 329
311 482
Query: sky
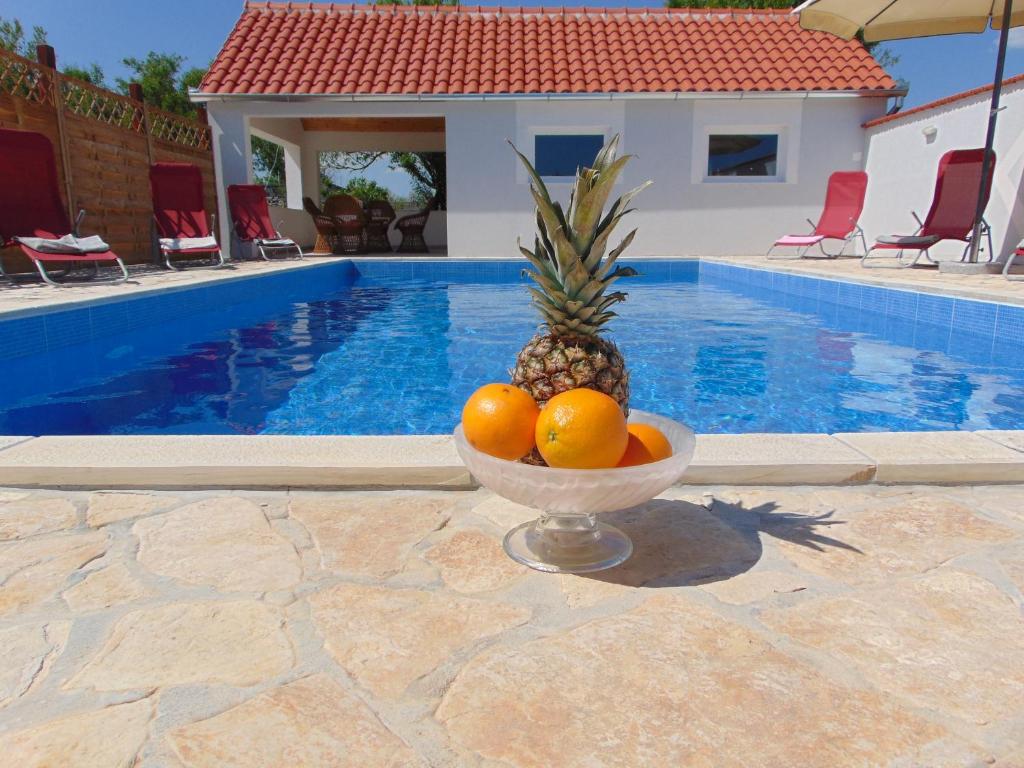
107 31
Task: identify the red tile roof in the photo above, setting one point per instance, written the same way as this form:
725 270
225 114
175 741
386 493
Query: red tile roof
941 102
309 48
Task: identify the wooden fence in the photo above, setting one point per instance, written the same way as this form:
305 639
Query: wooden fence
104 144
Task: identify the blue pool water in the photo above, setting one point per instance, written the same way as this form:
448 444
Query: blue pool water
389 347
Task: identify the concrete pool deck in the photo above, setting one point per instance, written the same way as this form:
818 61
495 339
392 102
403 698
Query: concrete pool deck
920 278
831 627
430 461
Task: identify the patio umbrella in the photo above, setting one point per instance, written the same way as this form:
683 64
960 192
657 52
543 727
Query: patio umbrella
881 20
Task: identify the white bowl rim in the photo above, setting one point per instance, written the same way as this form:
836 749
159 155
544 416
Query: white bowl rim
621 473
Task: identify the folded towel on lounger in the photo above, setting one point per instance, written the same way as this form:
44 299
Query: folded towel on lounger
281 243
65 245
187 243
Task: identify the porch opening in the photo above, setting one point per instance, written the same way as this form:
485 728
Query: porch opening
356 185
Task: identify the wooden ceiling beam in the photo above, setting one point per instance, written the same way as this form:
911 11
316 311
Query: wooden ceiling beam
375 124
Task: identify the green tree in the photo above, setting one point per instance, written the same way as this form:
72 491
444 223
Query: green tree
13 38
268 168
163 83
366 189
91 74
429 176
426 169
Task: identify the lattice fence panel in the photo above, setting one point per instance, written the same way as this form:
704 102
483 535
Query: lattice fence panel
87 100
178 129
25 79
102 149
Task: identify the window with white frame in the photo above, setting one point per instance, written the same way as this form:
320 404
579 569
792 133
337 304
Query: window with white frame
560 155
743 154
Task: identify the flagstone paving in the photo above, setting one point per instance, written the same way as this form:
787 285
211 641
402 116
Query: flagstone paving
867 626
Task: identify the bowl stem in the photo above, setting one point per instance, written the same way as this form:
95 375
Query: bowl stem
559 542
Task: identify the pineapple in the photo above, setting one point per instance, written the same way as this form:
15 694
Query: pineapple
573 270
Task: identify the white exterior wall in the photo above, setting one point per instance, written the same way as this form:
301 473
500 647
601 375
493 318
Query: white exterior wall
902 162
489 204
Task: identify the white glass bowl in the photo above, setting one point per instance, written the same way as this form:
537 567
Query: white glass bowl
567 538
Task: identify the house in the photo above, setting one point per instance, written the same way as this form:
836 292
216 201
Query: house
738 116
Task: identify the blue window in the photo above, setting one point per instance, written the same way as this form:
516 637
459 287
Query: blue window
562 154
743 154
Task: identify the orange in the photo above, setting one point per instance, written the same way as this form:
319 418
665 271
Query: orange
646 444
498 419
582 429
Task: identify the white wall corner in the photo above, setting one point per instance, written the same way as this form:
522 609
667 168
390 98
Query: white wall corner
232 160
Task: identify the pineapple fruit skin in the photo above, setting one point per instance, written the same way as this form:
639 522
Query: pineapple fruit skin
552 363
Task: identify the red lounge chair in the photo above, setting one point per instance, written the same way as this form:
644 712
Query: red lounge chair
844 201
1018 251
250 215
181 223
951 216
30 204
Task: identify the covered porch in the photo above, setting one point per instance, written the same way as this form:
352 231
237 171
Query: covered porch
304 137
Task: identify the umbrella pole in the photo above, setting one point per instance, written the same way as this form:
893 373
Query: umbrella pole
986 162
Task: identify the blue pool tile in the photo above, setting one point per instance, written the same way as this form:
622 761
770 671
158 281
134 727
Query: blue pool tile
828 291
899 330
63 329
972 347
831 312
1008 352
934 310
22 336
108 319
874 299
974 317
849 295
901 304
807 287
780 282
1010 325
932 338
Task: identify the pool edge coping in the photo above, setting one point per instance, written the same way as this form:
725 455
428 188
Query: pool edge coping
430 461
213 277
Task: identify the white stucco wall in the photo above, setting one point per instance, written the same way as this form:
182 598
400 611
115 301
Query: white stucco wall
682 214
902 163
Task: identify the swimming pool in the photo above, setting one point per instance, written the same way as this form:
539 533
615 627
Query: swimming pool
395 346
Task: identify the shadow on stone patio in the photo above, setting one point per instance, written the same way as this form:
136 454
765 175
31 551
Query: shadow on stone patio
678 544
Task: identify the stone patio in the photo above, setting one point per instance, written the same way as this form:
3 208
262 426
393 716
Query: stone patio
833 627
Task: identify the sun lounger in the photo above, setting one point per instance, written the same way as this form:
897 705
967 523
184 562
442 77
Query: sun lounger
250 215
178 211
32 215
844 201
1018 251
951 216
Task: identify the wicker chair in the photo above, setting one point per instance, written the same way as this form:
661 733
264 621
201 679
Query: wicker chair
412 227
349 222
326 230
379 215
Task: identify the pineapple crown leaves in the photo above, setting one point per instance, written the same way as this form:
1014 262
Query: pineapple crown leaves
572 265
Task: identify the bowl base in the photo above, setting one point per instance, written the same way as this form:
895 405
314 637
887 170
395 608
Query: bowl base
569 544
